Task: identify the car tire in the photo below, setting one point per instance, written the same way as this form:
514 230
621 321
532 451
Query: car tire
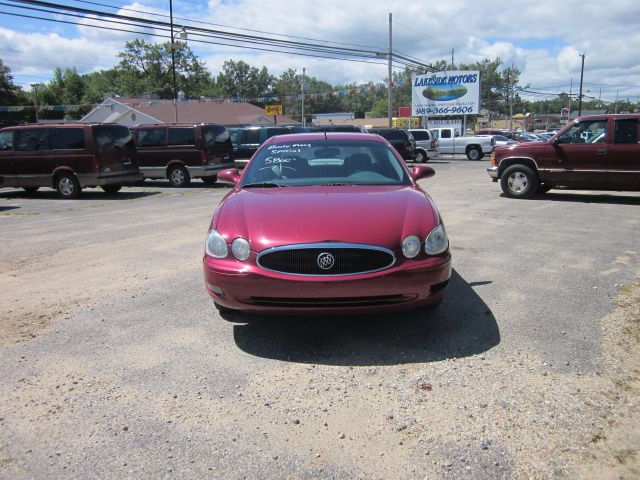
209 180
519 181
111 188
420 157
67 185
31 190
474 153
178 176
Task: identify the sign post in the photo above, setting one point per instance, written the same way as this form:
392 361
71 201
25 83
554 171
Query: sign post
564 115
274 110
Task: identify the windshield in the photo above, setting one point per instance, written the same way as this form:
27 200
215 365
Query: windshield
318 162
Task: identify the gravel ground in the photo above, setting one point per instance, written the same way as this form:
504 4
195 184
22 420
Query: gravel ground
113 363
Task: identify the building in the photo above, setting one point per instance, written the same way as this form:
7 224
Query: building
138 111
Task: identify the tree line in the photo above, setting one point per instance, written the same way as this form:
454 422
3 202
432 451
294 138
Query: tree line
146 68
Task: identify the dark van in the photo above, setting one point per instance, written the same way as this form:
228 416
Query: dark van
68 157
252 137
180 152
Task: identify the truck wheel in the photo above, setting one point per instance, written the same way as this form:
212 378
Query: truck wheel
519 181
178 176
67 185
474 153
420 156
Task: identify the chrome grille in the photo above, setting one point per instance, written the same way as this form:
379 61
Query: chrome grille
348 259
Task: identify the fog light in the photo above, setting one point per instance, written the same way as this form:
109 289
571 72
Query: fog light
214 289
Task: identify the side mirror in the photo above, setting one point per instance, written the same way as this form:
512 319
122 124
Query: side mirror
421 171
230 175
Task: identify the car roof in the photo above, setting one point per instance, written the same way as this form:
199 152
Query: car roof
298 137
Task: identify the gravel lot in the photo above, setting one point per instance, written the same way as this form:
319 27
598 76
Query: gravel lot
114 363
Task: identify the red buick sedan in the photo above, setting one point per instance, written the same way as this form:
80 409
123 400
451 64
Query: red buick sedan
326 223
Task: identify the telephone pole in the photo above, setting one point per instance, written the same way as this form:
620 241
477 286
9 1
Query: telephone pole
580 95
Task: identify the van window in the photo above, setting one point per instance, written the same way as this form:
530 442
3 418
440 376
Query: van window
67 138
181 136
250 136
31 139
150 137
111 137
215 134
6 140
420 135
626 131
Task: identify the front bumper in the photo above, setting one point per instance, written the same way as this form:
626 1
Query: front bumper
493 172
247 287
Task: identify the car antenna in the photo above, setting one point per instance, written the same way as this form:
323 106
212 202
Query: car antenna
325 136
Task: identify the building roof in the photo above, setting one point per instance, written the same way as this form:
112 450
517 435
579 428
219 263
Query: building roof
130 111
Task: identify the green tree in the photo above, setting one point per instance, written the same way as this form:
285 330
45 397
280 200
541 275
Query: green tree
12 95
240 80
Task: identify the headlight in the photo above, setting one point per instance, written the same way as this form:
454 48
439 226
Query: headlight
411 246
240 249
437 241
216 245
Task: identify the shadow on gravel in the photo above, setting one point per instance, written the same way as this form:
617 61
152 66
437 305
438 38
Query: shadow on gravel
603 198
87 194
8 207
462 326
195 184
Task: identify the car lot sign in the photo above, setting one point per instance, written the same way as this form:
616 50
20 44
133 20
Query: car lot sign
273 110
446 93
564 115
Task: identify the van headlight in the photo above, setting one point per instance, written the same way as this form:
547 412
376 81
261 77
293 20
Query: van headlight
216 246
437 241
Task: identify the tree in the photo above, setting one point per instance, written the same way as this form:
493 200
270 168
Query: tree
147 67
11 95
240 80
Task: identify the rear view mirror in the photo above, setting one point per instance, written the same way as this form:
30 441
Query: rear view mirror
230 175
422 171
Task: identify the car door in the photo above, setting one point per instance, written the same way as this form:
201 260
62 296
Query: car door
579 157
152 155
623 170
6 157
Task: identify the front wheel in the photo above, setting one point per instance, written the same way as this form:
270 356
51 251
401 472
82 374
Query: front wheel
111 188
420 156
178 177
519 181
67 185
474 153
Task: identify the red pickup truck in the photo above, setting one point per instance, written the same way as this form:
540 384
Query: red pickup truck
596 153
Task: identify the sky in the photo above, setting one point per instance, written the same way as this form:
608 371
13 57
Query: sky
544 39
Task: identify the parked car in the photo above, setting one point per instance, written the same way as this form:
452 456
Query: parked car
326 223
500 140
426 144
340 128
608 160
252 137
450 142
180 152
68 157
401 140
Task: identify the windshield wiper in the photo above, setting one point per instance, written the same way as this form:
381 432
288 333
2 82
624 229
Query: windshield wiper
336 184
262 185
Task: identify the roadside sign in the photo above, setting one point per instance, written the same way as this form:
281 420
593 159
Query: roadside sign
273 109
564 115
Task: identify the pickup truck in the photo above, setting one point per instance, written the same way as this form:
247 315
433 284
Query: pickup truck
600 152
450 141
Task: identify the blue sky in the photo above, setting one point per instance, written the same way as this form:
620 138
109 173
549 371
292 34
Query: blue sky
543 39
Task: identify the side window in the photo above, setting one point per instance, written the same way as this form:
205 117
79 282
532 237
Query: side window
215 134
150 137
445 134
591 131
32 139
67 138
250 136
6 140
181 136
626 131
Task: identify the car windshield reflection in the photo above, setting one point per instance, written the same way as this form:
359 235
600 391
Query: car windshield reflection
326 163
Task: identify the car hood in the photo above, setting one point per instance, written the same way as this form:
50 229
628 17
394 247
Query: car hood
380 216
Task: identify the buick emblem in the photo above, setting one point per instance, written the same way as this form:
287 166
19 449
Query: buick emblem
326 261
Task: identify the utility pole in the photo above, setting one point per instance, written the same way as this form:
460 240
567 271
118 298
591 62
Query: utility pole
303 70
173 62
570 96
580 95
35 90
390 94
452 64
